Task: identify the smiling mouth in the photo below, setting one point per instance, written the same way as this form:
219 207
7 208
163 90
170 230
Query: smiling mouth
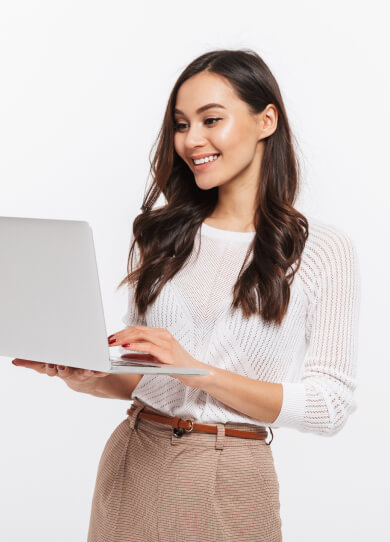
205 165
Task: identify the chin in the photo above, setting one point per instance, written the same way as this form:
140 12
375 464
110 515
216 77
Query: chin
206 186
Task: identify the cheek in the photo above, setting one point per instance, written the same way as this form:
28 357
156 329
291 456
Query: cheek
232 136
177 146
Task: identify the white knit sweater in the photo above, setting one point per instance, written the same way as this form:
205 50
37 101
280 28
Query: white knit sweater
313 354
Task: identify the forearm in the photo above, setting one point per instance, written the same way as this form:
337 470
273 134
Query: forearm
113 386
255 398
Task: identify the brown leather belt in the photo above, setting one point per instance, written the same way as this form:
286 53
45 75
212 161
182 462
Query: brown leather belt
180 426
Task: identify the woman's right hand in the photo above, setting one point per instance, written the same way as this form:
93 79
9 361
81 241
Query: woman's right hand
83 380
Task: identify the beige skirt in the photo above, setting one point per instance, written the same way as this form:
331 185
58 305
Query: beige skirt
152 486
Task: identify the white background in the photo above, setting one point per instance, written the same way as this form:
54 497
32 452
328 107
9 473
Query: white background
83 89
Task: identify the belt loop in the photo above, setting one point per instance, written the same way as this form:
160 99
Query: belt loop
133 412
268 443
220 436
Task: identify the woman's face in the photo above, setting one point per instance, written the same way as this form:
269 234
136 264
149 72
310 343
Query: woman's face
231 132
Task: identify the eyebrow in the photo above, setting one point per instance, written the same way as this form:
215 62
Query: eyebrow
201 109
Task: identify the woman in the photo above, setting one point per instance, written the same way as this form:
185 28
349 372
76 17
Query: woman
228 276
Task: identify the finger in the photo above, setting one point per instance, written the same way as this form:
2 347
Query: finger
51 369
116 337
63 371
83 374
141 346
97 374
157 336
120 336
152 349
69 372
29 364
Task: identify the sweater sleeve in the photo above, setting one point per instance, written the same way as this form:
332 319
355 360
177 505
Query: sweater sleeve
323 398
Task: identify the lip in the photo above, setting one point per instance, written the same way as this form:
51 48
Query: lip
199 156
206 165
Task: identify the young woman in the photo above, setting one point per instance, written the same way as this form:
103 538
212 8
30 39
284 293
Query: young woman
228 276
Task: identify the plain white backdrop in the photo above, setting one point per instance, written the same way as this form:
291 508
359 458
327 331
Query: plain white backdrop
83 90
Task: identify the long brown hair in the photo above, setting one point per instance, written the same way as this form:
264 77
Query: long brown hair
165 235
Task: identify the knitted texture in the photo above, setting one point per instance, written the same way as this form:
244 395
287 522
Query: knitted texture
313 353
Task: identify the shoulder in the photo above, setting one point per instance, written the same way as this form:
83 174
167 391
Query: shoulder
321 230
327 241
329 250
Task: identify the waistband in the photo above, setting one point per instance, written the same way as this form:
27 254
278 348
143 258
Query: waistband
180 426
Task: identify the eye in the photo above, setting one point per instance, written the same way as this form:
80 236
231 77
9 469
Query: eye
213 118
179 126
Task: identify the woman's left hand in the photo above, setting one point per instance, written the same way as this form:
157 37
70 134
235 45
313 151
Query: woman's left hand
161 344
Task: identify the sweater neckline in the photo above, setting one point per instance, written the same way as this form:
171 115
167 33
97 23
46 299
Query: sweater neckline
217 233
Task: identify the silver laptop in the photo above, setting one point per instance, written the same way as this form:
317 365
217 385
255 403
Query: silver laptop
50 301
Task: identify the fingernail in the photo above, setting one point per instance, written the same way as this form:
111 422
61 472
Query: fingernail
51 366
61 367
126 344
110 341
110 337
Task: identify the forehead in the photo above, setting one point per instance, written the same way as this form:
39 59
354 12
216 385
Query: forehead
204 88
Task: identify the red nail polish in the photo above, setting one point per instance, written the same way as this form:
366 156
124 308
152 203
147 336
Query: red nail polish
110 337
110 341
126 344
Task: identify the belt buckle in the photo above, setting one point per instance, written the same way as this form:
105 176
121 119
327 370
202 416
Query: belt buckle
179 431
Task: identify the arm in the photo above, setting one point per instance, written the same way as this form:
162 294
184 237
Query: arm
114 386
323 398
257 399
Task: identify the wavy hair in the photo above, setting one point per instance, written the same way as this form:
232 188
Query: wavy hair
165 236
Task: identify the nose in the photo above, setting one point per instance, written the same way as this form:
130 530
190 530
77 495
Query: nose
194 138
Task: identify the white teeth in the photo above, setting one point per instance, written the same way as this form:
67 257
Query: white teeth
207 159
